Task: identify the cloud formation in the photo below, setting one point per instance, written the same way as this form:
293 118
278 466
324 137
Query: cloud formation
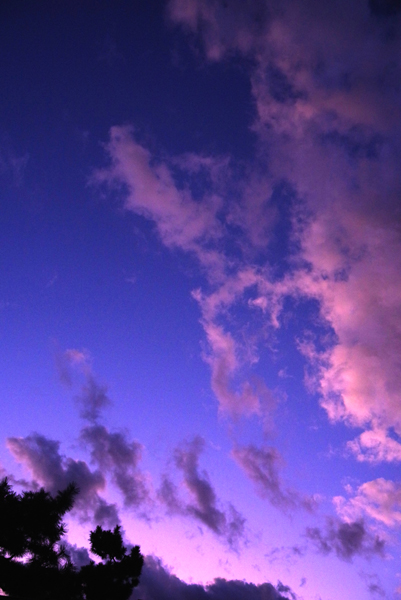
152 192
201 503
345 539
153 189
324 83
115 455
93 396
379 499
158 583
325 86
54 471
262 466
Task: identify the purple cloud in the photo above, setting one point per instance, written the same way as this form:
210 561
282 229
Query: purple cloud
203 504
53 471
73 365
158 583
346 540
114 454
262 466
79 556
327 120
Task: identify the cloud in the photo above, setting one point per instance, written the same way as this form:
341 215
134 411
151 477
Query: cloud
158 583
111 452
54 471
379 499
285 554
223 28
114 454
71 361
373 584
152 192
93 399
345 539
324 82
375 446
93 396
227 355
155 190
262 466
79 556
203 504
325 88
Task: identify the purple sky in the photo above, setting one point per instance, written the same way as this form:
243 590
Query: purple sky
201 280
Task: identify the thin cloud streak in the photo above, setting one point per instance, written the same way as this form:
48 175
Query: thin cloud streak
262 466
202 503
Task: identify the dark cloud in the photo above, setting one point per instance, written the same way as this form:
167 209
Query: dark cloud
79 556
203 504
345 539
114 454
54 472
74 366
93 398
373 585
158 583
262 466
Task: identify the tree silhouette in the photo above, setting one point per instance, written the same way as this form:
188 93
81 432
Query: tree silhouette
119 572
34 563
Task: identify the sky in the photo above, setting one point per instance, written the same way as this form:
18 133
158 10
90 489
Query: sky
200 318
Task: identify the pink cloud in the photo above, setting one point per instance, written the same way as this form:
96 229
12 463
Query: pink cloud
379 499
375 445
193 226
152 192
324 83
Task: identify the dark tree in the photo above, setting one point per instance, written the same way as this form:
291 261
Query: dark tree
34 563
118 574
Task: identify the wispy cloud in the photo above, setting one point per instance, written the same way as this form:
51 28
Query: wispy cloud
201 502
54 471
151 191
262 466
73 365
345 539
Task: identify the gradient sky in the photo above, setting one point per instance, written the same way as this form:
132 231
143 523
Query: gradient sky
200 286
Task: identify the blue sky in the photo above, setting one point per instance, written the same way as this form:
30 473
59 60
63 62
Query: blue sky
199 301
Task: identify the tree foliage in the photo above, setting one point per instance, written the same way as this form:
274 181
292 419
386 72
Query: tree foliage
119 572
35 564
